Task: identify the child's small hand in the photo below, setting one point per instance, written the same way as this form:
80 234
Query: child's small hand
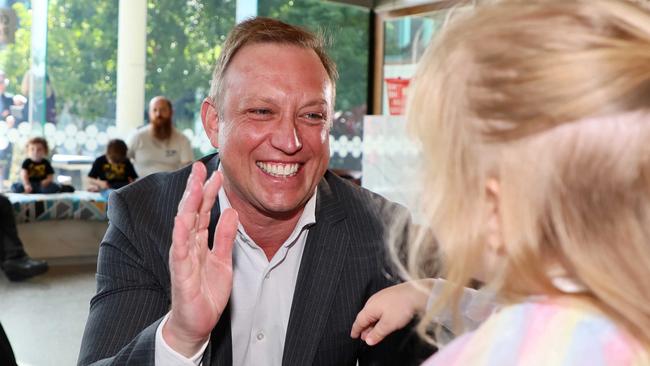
102 184
28 188
390 309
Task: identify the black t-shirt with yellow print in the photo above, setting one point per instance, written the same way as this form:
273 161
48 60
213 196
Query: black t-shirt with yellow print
117 175
37 171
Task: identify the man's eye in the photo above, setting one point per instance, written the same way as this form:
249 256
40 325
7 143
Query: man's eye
260 111
315 116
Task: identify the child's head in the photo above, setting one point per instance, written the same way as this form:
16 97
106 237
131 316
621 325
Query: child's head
534 118
37 148
116 151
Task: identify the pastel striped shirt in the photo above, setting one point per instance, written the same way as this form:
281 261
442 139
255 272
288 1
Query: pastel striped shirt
543 333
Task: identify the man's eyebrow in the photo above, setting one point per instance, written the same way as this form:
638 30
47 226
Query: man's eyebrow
250 99
316 102
311 103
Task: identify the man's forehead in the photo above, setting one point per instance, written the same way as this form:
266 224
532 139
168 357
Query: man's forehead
272 65
278 57
158 102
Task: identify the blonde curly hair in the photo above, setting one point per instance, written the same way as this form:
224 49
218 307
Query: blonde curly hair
551 99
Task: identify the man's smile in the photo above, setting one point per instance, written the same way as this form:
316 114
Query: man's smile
276 169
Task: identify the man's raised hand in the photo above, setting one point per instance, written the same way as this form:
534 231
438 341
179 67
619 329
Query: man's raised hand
201 278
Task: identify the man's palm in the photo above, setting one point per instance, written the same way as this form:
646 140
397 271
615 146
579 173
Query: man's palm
201 278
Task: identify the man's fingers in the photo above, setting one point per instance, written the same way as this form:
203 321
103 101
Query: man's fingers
193 194
225 234
179 262
210 191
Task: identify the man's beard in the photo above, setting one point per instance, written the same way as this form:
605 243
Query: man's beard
161 128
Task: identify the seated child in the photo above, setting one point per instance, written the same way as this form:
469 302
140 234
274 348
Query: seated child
534 122
112 170
36 174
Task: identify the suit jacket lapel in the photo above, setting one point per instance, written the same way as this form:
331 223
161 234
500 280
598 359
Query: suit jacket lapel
211 166
318 278
220 348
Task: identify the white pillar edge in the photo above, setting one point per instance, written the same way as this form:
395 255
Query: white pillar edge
131 63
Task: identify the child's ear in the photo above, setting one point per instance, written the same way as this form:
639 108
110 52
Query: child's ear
493 250
494 229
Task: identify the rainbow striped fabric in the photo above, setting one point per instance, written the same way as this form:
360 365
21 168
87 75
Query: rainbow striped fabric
543 332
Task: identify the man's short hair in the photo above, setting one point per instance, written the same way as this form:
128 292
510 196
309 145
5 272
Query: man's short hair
266 30
116 150
41 141
167 100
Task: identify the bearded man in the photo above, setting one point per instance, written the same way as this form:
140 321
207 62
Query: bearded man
158 146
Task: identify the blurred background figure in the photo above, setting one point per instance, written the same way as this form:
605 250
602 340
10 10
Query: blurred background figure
6 105
159 146
6 101
50 98
36 173
112 170
15 262
6 352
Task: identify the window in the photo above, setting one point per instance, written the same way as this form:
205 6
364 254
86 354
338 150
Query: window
62 75
184 40
347 29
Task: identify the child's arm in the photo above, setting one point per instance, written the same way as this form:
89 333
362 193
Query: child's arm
101 184
391 309
49 178
24 176
46 182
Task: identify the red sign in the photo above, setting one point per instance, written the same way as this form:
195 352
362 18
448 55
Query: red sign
396 88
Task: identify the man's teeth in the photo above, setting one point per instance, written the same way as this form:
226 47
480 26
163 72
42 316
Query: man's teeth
279 170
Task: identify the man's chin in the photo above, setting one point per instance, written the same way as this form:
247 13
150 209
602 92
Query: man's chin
281 209
161 132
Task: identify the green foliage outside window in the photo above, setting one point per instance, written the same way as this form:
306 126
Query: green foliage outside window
347 29
14 58
184 39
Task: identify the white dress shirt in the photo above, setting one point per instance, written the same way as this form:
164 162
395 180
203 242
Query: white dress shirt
261 298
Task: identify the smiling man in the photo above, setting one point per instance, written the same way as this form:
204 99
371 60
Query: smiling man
269 260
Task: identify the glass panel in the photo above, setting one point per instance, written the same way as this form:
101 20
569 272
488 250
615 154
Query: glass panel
69 85
82 57
405 40
184 39
347 28
81 69
391 159
15 38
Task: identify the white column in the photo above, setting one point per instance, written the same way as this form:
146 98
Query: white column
131 60
245 9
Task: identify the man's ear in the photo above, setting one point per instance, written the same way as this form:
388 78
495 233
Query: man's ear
210 119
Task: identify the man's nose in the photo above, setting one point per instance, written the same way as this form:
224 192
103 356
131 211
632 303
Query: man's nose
286 137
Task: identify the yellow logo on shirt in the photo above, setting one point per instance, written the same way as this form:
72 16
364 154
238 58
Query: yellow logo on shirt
36 171
115 171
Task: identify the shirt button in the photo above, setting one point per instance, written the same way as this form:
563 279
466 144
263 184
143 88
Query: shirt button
260 336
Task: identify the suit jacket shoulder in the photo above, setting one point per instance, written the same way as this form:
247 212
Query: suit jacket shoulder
345 261
359 202
133 283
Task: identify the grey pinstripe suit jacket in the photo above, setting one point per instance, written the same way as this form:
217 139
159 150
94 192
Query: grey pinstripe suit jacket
344 262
